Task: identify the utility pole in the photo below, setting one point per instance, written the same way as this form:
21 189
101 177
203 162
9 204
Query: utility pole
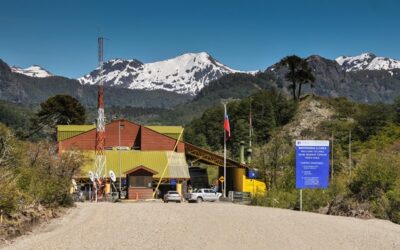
251 126
250 150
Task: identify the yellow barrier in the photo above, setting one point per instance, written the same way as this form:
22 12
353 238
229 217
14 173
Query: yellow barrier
243 184
254 186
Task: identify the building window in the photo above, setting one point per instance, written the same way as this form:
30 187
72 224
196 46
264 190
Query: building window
139 181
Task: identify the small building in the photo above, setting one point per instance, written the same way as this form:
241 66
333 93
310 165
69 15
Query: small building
139 183
143 157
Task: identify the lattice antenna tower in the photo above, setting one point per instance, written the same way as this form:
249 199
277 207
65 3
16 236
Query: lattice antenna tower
100 160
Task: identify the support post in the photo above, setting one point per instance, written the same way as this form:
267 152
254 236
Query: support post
301 200
119 155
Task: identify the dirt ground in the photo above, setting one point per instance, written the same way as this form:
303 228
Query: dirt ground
155 225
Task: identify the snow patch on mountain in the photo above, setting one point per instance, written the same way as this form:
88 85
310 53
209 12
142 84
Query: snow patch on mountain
185 74
367 61
32 71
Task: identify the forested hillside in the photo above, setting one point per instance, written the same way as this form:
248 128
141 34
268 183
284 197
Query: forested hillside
269 111
365 185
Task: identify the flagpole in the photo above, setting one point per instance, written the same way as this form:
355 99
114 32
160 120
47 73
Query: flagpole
224 154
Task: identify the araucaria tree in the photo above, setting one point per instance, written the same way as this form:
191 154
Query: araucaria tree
58 110
299 73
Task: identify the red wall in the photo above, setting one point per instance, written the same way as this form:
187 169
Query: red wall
86 141
152 140
140 193
128 132
131 135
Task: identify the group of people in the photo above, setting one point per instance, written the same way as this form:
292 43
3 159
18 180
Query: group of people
100 189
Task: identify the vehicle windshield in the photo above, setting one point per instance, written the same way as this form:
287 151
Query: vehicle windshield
172 192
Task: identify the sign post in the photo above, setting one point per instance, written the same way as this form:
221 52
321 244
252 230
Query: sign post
222 179
301 199
312 165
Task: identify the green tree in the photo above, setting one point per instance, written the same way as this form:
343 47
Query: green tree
396 107
299 73
274 153
371 119
58 110
241 128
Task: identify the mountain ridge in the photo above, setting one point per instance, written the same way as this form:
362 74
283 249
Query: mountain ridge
32 71
23 89
185 74
367 61
332 79
335 80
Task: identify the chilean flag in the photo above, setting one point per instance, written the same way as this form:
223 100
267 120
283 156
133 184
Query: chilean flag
227 127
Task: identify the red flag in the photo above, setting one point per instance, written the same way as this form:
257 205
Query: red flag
227 127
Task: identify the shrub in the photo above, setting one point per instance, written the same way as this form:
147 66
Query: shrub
8 197
48 176
376 175
278 198
393 197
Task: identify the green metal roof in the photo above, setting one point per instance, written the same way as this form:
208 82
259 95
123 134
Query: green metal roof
68 131
171 131
155 160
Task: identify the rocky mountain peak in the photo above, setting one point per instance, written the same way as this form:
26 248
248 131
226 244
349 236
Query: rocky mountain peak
184 74
367 61
32 71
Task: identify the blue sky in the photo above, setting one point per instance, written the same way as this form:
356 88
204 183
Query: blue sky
61 35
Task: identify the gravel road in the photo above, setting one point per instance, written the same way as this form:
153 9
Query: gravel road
220 225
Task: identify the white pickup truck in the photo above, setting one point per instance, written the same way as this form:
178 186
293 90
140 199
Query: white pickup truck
203 194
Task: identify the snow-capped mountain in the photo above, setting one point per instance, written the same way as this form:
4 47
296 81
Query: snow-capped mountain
32 71
185 74
367 61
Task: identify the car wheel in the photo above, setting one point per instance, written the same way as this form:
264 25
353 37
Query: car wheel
199 200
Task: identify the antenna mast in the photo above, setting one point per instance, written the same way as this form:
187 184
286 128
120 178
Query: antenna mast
100 161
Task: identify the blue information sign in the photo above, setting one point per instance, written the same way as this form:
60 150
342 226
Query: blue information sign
312 164
172 182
